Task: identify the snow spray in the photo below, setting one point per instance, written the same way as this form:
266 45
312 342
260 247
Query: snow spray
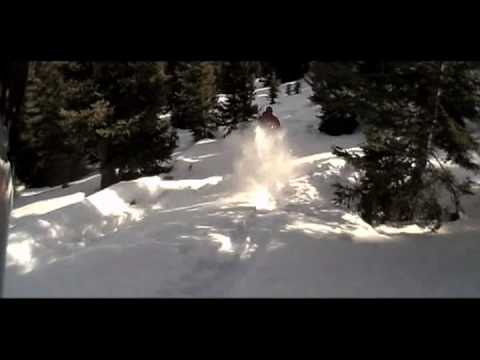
264 168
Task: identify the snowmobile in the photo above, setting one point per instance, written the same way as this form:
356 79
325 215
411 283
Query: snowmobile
268 120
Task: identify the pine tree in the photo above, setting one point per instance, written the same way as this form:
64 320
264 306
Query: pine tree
46 153
266 69
238 85
103 111
84 108
289 89
409 121
172 89
297 87
194 99
273 83
133 139
333 86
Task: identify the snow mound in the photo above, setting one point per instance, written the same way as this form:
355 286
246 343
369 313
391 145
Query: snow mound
84 222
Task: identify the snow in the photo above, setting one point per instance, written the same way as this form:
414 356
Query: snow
164 116
222 98
44 200
245 216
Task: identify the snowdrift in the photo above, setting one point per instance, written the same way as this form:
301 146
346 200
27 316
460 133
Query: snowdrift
84 222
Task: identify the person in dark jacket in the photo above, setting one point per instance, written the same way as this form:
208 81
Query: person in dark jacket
268 120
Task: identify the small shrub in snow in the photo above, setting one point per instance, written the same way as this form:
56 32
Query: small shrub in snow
273 83
297 87
289 89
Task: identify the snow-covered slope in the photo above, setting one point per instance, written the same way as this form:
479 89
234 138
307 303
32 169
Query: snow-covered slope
221 228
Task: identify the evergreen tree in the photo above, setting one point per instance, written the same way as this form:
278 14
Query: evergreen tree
289 89
172 88
46 152
297 87
330 82
38 128
266 69
255 68
121 120
273 83
194 98
287 71
103 111
84 108
238 85
133 139
408 122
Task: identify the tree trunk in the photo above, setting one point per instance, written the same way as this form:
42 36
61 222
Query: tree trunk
77 166
107 166
426 142
109 175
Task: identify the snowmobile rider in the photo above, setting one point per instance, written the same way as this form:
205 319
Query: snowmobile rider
268 120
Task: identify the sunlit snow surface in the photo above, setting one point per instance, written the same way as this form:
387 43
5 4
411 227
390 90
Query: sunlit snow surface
250 215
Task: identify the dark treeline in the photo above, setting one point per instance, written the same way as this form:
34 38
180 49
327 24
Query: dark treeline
289 70
123 118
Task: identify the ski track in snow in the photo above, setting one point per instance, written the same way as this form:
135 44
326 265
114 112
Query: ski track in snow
193 236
